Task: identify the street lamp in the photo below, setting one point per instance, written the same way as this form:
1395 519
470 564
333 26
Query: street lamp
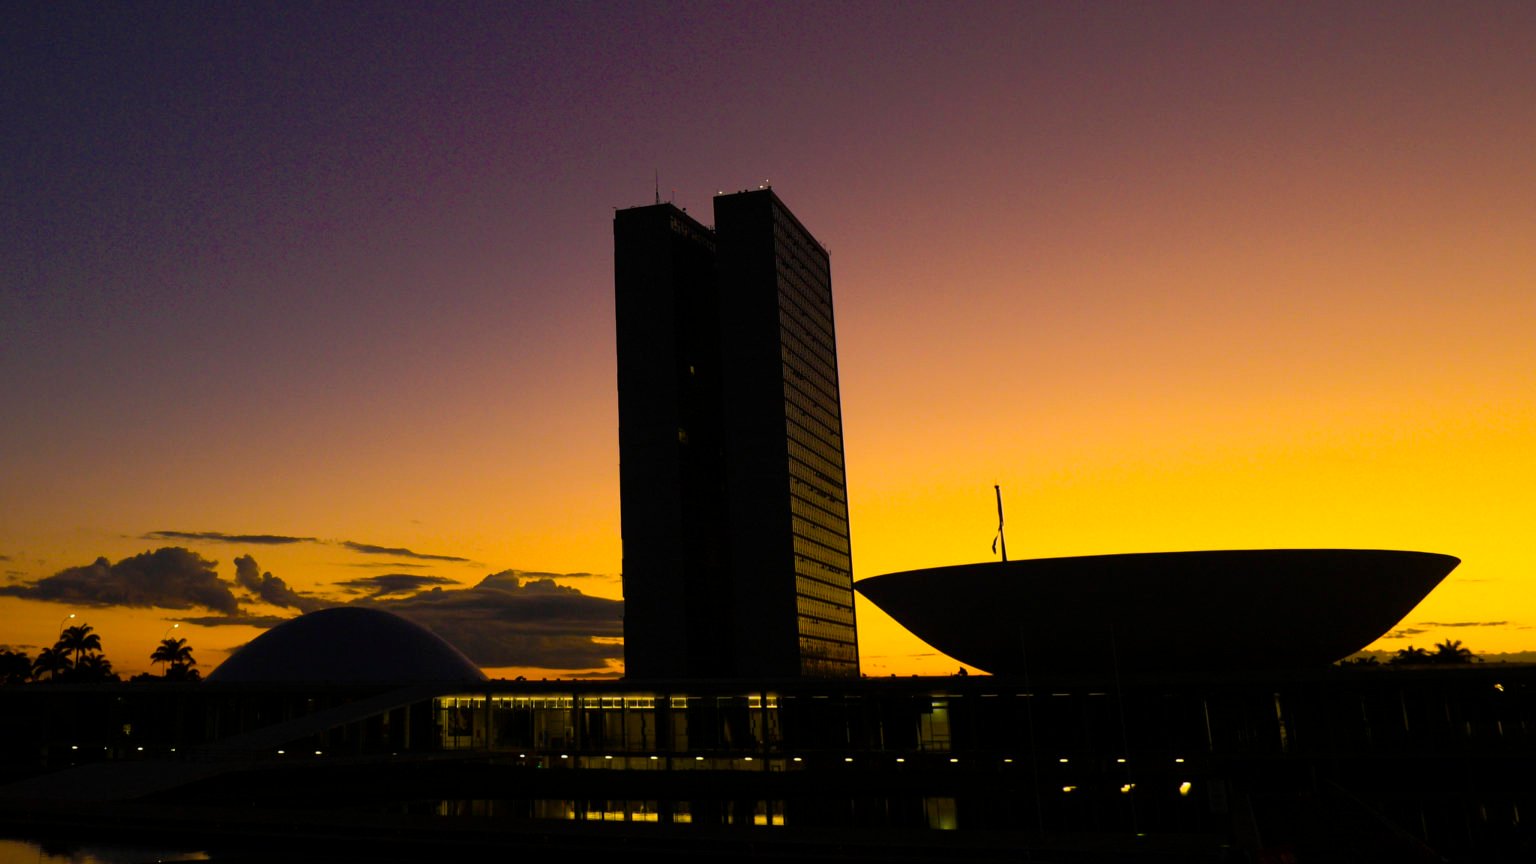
167 634
63 622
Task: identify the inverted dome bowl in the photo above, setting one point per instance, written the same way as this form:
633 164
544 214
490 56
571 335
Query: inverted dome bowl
1160 612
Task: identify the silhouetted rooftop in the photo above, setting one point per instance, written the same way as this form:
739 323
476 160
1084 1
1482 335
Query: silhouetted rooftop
347 644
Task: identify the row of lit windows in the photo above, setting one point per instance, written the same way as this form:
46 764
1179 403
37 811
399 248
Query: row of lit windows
817 497
798 354
817 552
811 295
785 223
800 362
813 479
818 514
814 390
810 607
804 528
819 465
835 649
831 497
815 337
813 435
813 420
821 458
821 589
828 573
803 405
836 578
795 243
825 630
815 425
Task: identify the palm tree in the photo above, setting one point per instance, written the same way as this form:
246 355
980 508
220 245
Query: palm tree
52 662
94 667
78 641
1451 651
177 654
1410 656
15 667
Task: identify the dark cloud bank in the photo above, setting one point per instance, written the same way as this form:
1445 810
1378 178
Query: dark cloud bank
169 578
388 584
221 537
284 539
401 552
511 618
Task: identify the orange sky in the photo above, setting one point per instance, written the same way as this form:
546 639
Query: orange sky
1177 277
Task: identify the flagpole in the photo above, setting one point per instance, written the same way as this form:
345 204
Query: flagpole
1003 541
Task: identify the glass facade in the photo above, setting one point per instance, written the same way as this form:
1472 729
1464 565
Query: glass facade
737 560
813 432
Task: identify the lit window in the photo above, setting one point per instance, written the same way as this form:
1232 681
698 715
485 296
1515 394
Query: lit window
1185 787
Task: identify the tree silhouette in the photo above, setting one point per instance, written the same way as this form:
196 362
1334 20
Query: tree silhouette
94 667
1410 656
1364 660
52 662
1451 651
78 641
15 667
177 655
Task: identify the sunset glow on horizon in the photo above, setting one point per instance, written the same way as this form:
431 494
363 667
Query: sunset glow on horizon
333 289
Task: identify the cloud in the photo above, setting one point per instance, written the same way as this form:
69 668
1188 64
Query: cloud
168 578
509 619
377 565
1510 657
1405 633
393 583
370 549
1463 623
262 621
599 577
270 589
221 537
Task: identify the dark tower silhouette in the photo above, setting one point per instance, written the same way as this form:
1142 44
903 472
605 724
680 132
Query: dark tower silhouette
733 499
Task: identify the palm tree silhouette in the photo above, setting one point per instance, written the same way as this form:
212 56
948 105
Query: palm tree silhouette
94 667
177 654
53 662
1410 656
1451 651
15 667
79 641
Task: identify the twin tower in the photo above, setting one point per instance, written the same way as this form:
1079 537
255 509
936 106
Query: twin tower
733 499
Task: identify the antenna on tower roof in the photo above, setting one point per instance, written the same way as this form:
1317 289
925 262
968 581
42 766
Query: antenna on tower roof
658 185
